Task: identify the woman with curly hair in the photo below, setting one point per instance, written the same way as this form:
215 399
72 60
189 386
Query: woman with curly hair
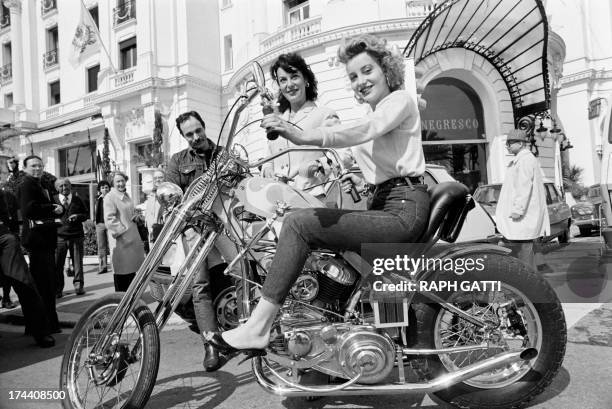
386 144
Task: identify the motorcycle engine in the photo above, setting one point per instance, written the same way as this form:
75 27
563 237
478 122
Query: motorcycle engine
325 280
348 350
313 327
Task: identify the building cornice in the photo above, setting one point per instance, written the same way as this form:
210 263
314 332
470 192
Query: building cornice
71 116
155 82
324 37
586 76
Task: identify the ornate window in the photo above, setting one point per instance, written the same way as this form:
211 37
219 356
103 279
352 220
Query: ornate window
54 93
51 57
92 78
125 11
47 6
297 10
127 51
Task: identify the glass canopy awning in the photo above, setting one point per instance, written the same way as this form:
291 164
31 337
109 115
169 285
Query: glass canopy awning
511 34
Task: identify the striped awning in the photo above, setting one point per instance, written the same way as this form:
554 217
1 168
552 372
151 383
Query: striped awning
511 34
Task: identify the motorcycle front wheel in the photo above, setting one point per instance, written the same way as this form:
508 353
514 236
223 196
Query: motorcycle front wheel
526 313
124 374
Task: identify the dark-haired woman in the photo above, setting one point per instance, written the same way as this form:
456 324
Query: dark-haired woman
296 99
387 147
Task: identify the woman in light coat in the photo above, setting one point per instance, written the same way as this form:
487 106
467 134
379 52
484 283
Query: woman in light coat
127 250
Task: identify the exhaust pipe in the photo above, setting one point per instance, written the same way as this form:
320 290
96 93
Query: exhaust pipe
442 382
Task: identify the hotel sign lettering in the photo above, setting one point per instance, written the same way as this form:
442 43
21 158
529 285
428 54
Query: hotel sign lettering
454 124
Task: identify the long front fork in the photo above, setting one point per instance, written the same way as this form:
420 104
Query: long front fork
168 234
196 256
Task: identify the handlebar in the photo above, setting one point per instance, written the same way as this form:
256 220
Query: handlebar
354 193
285 151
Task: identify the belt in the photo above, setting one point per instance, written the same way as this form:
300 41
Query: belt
399 181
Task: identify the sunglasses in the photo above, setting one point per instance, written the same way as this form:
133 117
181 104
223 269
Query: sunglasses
508 143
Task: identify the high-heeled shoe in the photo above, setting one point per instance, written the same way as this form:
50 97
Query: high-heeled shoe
226 351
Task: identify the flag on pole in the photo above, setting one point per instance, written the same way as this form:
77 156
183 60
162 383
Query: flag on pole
86 39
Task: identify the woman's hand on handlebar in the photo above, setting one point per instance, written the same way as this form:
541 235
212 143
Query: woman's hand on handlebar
267 172
349 180
286 130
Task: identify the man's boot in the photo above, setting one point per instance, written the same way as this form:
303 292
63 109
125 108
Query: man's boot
211 360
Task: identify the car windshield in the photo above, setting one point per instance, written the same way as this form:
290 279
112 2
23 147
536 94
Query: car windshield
487 194
593 193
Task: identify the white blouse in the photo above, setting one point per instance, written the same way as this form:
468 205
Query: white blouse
386 143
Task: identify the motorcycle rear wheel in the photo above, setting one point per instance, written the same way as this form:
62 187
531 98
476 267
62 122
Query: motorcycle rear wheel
512 386
127 377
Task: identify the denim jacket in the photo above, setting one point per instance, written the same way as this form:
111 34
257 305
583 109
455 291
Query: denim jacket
185 166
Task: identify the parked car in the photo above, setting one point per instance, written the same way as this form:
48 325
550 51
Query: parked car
558 211
587 214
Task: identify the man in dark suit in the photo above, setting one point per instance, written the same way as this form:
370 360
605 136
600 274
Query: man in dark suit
14 270
39 235
70 236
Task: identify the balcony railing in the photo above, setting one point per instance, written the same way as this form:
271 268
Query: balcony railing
125 77
6 73
47 6
125 12
51 58
293 32
89 98
52 112
420 8
5 21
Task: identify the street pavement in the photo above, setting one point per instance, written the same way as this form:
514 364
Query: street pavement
580 273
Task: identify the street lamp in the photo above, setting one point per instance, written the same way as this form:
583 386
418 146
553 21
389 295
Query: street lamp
543 120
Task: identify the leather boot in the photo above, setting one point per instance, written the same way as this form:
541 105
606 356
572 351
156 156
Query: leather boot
211 358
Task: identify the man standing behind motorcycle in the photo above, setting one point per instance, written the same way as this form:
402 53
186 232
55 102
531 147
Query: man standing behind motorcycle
184 167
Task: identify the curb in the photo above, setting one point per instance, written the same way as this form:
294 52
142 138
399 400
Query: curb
69 319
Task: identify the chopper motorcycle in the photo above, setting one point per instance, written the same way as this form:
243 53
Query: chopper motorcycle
467 347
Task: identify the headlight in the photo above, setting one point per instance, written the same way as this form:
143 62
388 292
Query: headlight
169 195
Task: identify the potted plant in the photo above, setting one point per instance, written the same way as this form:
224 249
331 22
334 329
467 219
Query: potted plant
152 158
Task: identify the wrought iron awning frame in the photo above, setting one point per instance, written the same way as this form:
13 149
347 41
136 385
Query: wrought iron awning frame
505 69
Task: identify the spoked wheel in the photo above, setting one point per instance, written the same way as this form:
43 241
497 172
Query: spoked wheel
451 331
523 313
124 374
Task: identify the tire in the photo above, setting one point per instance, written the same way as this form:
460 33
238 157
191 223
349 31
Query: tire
522 382
74 375
584 231
565 236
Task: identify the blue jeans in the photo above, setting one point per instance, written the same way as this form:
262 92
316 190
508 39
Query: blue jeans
397 214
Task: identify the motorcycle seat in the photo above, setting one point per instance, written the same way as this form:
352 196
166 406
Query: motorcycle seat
450 203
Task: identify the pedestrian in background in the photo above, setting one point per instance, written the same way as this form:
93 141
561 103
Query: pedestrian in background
521 214
127 250
39 234
101 232
12 165
70 236
153 211
14 270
